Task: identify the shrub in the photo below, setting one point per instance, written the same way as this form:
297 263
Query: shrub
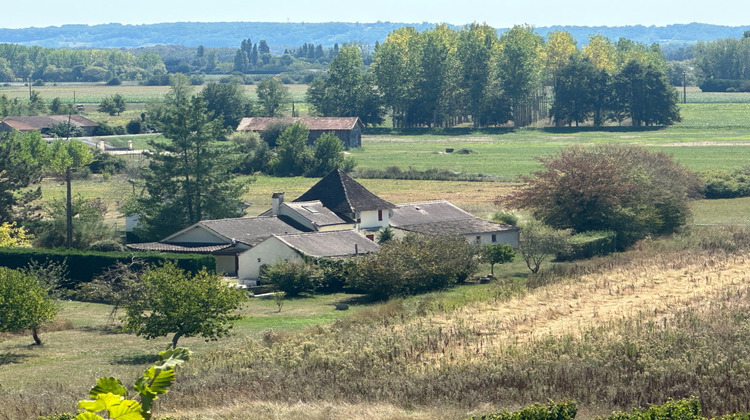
114 82
415 264
107 245
727 184
588 245
197 79
292 277
105 162
507 217
565 410
134 126
687 409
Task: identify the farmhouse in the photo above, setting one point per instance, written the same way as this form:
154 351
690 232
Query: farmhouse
336 218
42 123
347 129
442 217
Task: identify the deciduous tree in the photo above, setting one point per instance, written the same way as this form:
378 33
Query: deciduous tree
174 302
24 304
272 95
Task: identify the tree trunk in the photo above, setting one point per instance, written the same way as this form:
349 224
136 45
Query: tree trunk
68 211
176 337
35 334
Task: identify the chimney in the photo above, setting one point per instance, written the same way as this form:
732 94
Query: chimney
277 199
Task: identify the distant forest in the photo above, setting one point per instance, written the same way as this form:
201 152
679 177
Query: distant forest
281 36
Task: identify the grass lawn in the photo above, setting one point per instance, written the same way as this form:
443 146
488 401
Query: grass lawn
735 211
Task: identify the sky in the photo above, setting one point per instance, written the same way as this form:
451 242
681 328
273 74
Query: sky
499 14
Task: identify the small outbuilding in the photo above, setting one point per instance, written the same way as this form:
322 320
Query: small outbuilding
347 129
42 123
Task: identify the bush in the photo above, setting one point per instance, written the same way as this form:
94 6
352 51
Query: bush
588 245
292 277
105 162
727 184
687 409
107 245
134 126
114 82
197 79
565 410
85 265
507 217
415 264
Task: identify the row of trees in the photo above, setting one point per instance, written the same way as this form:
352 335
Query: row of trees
724 64
442 77
75 65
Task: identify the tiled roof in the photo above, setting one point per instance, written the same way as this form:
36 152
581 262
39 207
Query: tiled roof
342 243
427 212
39 122
458 227
316 213
312 123
193 248
342 194
250 230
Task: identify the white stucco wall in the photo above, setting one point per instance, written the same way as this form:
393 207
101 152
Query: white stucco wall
369 219
505 237
267 252
198 234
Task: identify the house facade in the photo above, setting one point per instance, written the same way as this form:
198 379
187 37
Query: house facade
347 129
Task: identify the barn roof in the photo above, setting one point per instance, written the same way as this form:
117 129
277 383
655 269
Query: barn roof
442 217
342 194
39 122
341 243
312 123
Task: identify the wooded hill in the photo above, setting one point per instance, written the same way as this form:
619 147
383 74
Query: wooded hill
283 35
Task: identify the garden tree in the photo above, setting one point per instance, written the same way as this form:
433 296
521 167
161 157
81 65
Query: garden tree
174 301
600 52
385 234
119 286
559 50
255 155
293 157
539 242
497 254
272 132
88 225
346 91
65 157
12 236
292 277
22 157
395 72
113 105
520 65
227 102
188 178
477 52
66 130
574 90
415 264
645 95
328 154
272 95
626 189
24 304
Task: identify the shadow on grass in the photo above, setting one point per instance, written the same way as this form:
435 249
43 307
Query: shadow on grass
103 329
137 359
13 358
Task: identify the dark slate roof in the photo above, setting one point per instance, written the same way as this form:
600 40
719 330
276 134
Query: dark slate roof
193 248
442 217
458 227
342 243
312 123
427 212
39 122
342 194
250 230
316 213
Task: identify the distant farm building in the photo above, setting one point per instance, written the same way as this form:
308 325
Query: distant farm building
347 129
42 123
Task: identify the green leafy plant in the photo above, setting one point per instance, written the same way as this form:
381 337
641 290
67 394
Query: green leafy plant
110 396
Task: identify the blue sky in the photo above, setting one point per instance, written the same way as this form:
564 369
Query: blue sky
504 13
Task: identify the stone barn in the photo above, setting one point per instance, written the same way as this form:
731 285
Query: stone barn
347 129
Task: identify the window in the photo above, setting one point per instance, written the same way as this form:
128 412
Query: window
479 240
380 215
494 238
370 237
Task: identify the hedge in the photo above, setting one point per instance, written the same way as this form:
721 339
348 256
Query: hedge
725 85
83 266
565 410
590 244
